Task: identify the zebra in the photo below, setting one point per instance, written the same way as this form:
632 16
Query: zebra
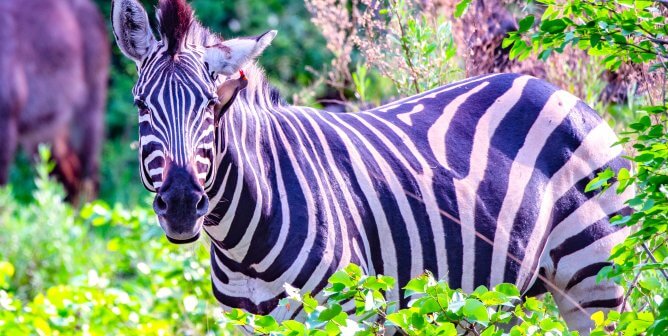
54 68
480 181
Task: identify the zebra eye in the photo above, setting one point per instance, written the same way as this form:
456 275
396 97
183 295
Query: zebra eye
213 102
141 105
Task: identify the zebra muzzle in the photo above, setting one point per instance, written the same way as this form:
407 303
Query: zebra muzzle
180 205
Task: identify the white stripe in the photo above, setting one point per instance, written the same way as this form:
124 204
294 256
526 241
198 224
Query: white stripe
220 231
270 258
366 185
558 106
406 117
425 184
439 129
262 190
594 152
156 171
467 188
432 94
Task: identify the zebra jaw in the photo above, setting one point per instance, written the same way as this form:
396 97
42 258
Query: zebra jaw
184 237
186 241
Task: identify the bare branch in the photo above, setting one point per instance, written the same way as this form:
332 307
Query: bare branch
407 50
630 290
653 259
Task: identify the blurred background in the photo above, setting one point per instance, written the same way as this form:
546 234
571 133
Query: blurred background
104 267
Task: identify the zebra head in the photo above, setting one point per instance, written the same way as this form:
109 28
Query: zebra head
184 85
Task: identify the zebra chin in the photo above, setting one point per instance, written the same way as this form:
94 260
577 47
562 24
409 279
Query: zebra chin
182 235
181 204
185 241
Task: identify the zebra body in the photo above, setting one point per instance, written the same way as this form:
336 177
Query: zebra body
407 187
480 181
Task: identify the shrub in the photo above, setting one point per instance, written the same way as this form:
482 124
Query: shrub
356 303
102 270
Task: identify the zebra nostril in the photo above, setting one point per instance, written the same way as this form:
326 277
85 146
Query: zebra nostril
202 206
159 205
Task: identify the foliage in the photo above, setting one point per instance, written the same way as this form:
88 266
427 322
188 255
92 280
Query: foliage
405 42
434 309
620 32
99 271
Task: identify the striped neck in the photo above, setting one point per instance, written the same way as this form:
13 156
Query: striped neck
241 192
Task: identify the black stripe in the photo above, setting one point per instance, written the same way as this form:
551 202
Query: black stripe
600 229
607 303
505 144
586 272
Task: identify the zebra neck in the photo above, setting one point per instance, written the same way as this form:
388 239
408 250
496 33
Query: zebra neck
241 191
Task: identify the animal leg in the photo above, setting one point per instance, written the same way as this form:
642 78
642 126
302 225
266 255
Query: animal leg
9 128
68 167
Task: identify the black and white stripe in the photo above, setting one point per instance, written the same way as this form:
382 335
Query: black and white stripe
481 182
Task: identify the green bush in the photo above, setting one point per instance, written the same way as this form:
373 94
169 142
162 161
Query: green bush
434 309
102 270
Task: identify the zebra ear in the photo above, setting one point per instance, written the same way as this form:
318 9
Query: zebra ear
131 29
228 57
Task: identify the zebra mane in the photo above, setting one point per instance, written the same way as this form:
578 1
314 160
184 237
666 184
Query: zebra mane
176 19
178 26
259 88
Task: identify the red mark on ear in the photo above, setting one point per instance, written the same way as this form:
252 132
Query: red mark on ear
242 75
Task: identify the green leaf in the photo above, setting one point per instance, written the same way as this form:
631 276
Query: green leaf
493 298
415 286
341 277
475 311
651 284
266 322
330 312
298 327
427 305
526 23
461 8
512 38
598 318
456 302
549 324
600 180
309 303
644 123
6 272
418 321
645 157
492 331
399 318
545 54
446 329
508 289
553 26
595 39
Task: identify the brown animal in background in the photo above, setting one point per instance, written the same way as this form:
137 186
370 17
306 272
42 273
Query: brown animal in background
54 65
